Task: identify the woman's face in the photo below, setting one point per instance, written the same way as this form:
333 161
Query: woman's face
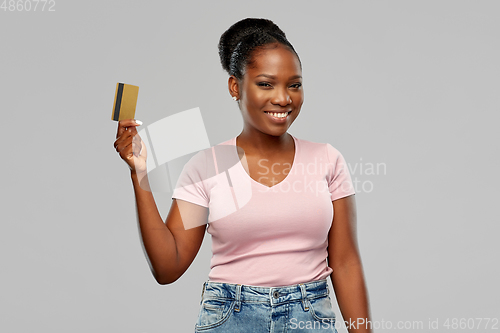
271 92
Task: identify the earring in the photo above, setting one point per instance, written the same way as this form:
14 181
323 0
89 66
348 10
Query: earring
234 98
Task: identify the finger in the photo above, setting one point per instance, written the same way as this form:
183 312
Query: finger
123 125
126 123
127 155
123 139
126 133
121 148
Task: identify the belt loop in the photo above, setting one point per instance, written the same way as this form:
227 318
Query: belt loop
304 297
237 307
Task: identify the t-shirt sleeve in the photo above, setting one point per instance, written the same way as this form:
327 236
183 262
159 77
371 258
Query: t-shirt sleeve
191 185
338 176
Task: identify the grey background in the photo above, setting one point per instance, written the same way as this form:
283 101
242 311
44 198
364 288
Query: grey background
411 84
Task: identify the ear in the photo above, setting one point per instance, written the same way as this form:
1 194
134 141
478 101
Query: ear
233 85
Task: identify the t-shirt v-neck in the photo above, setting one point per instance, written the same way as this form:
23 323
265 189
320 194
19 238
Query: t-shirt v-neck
290 172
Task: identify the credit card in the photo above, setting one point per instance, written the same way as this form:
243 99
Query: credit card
125 101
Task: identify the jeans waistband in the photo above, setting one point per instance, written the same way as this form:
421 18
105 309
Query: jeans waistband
272 295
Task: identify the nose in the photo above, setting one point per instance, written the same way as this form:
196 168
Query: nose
281 97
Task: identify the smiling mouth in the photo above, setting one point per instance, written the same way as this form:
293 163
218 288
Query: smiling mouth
279 115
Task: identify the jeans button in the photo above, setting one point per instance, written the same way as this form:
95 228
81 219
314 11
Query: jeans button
276 294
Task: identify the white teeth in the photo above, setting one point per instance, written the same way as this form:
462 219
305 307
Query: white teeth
278 115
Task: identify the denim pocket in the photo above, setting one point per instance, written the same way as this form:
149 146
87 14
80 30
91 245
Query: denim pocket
321 309
214 312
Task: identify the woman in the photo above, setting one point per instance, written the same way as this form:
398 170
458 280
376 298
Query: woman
273 250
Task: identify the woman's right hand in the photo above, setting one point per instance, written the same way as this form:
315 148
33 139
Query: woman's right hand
130 146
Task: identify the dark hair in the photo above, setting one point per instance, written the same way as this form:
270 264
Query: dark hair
237 44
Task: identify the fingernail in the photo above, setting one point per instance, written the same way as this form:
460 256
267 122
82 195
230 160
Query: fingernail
138 122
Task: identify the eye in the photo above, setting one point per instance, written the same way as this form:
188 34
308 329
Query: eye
263 84
296 85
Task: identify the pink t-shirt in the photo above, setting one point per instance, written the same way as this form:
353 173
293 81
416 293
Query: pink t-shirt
267 236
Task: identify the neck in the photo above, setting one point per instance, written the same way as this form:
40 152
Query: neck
262 142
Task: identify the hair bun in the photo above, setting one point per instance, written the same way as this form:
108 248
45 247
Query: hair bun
241 29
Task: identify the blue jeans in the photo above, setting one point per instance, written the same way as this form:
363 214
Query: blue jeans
235 308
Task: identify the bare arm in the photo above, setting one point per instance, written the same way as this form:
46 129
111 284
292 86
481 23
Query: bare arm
344 259
169 247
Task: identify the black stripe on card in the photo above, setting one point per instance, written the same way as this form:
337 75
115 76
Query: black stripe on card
118 103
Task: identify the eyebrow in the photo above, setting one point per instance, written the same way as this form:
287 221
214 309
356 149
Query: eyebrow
273 77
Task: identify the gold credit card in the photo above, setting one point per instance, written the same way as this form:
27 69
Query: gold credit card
125 101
